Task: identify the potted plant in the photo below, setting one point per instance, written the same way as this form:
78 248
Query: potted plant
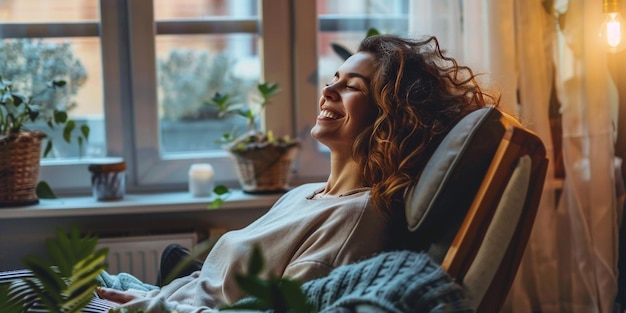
263 160
20 146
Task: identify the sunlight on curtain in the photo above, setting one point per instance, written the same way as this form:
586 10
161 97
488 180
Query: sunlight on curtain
570 263
464 29
589 199
537 283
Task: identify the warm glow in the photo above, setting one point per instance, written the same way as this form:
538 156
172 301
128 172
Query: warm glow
614 35
611 32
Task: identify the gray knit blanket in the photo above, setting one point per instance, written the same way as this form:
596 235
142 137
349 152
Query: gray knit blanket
390 282
398 281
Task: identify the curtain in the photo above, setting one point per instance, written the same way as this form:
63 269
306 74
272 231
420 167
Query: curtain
570 263
536 285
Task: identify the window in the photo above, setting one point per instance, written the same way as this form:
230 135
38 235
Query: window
133 96
150 64
56 40
200 47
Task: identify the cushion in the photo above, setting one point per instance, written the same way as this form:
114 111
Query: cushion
437 203
499 234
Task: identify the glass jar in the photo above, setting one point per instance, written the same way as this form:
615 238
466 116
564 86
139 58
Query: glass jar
108 180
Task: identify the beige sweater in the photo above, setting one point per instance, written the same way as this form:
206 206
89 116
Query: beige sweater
301 237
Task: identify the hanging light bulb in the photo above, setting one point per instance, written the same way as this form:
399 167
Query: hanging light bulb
612 30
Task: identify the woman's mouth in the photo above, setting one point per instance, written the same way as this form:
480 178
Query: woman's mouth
329 115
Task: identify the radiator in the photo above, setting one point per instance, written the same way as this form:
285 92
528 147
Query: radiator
141 255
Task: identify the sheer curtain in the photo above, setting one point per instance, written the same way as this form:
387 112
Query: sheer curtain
570 263
582 250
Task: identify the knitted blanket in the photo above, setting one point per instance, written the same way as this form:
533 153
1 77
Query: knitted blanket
398 281
390 282
123 281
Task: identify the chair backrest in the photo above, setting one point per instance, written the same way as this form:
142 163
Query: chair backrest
474 204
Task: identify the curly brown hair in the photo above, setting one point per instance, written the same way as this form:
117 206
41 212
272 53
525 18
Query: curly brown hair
420 94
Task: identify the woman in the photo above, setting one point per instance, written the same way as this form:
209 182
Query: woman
383 114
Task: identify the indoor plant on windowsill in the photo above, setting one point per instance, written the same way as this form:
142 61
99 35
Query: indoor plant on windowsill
20 146
263 160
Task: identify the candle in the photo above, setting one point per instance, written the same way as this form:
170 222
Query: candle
201 179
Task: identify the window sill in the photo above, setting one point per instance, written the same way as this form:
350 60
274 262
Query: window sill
136 204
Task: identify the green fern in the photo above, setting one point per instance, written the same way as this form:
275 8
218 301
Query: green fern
67 282
7 303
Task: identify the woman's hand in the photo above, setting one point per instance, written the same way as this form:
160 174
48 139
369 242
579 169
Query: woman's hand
116 296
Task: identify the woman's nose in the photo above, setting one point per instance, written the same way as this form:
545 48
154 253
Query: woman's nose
329 91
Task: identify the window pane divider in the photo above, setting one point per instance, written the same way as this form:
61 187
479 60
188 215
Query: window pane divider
48 30
207 26
331 23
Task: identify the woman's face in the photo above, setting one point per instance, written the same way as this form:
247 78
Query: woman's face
345 106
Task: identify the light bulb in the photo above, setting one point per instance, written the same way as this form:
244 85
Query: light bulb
612 30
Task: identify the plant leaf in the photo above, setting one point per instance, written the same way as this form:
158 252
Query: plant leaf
18 99
267 89
43 189
60 117
256 262
7 303
58 83
294 296
84 130
372 32
341 51
41 291
33 112
254 286
45 274
220 190
67 286
252 305
67 130
216 204
47 149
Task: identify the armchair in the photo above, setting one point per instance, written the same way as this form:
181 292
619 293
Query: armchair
474 206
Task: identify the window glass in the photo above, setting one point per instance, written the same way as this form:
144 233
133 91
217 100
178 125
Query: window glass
168 9
345 23
192 68
31 56
46 11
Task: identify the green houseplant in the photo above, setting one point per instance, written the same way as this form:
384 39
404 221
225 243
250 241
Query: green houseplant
64 283
20 143
263 160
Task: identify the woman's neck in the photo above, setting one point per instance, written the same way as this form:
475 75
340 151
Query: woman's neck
344 177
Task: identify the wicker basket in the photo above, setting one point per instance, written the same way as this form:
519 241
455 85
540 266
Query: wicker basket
258 175
20 154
